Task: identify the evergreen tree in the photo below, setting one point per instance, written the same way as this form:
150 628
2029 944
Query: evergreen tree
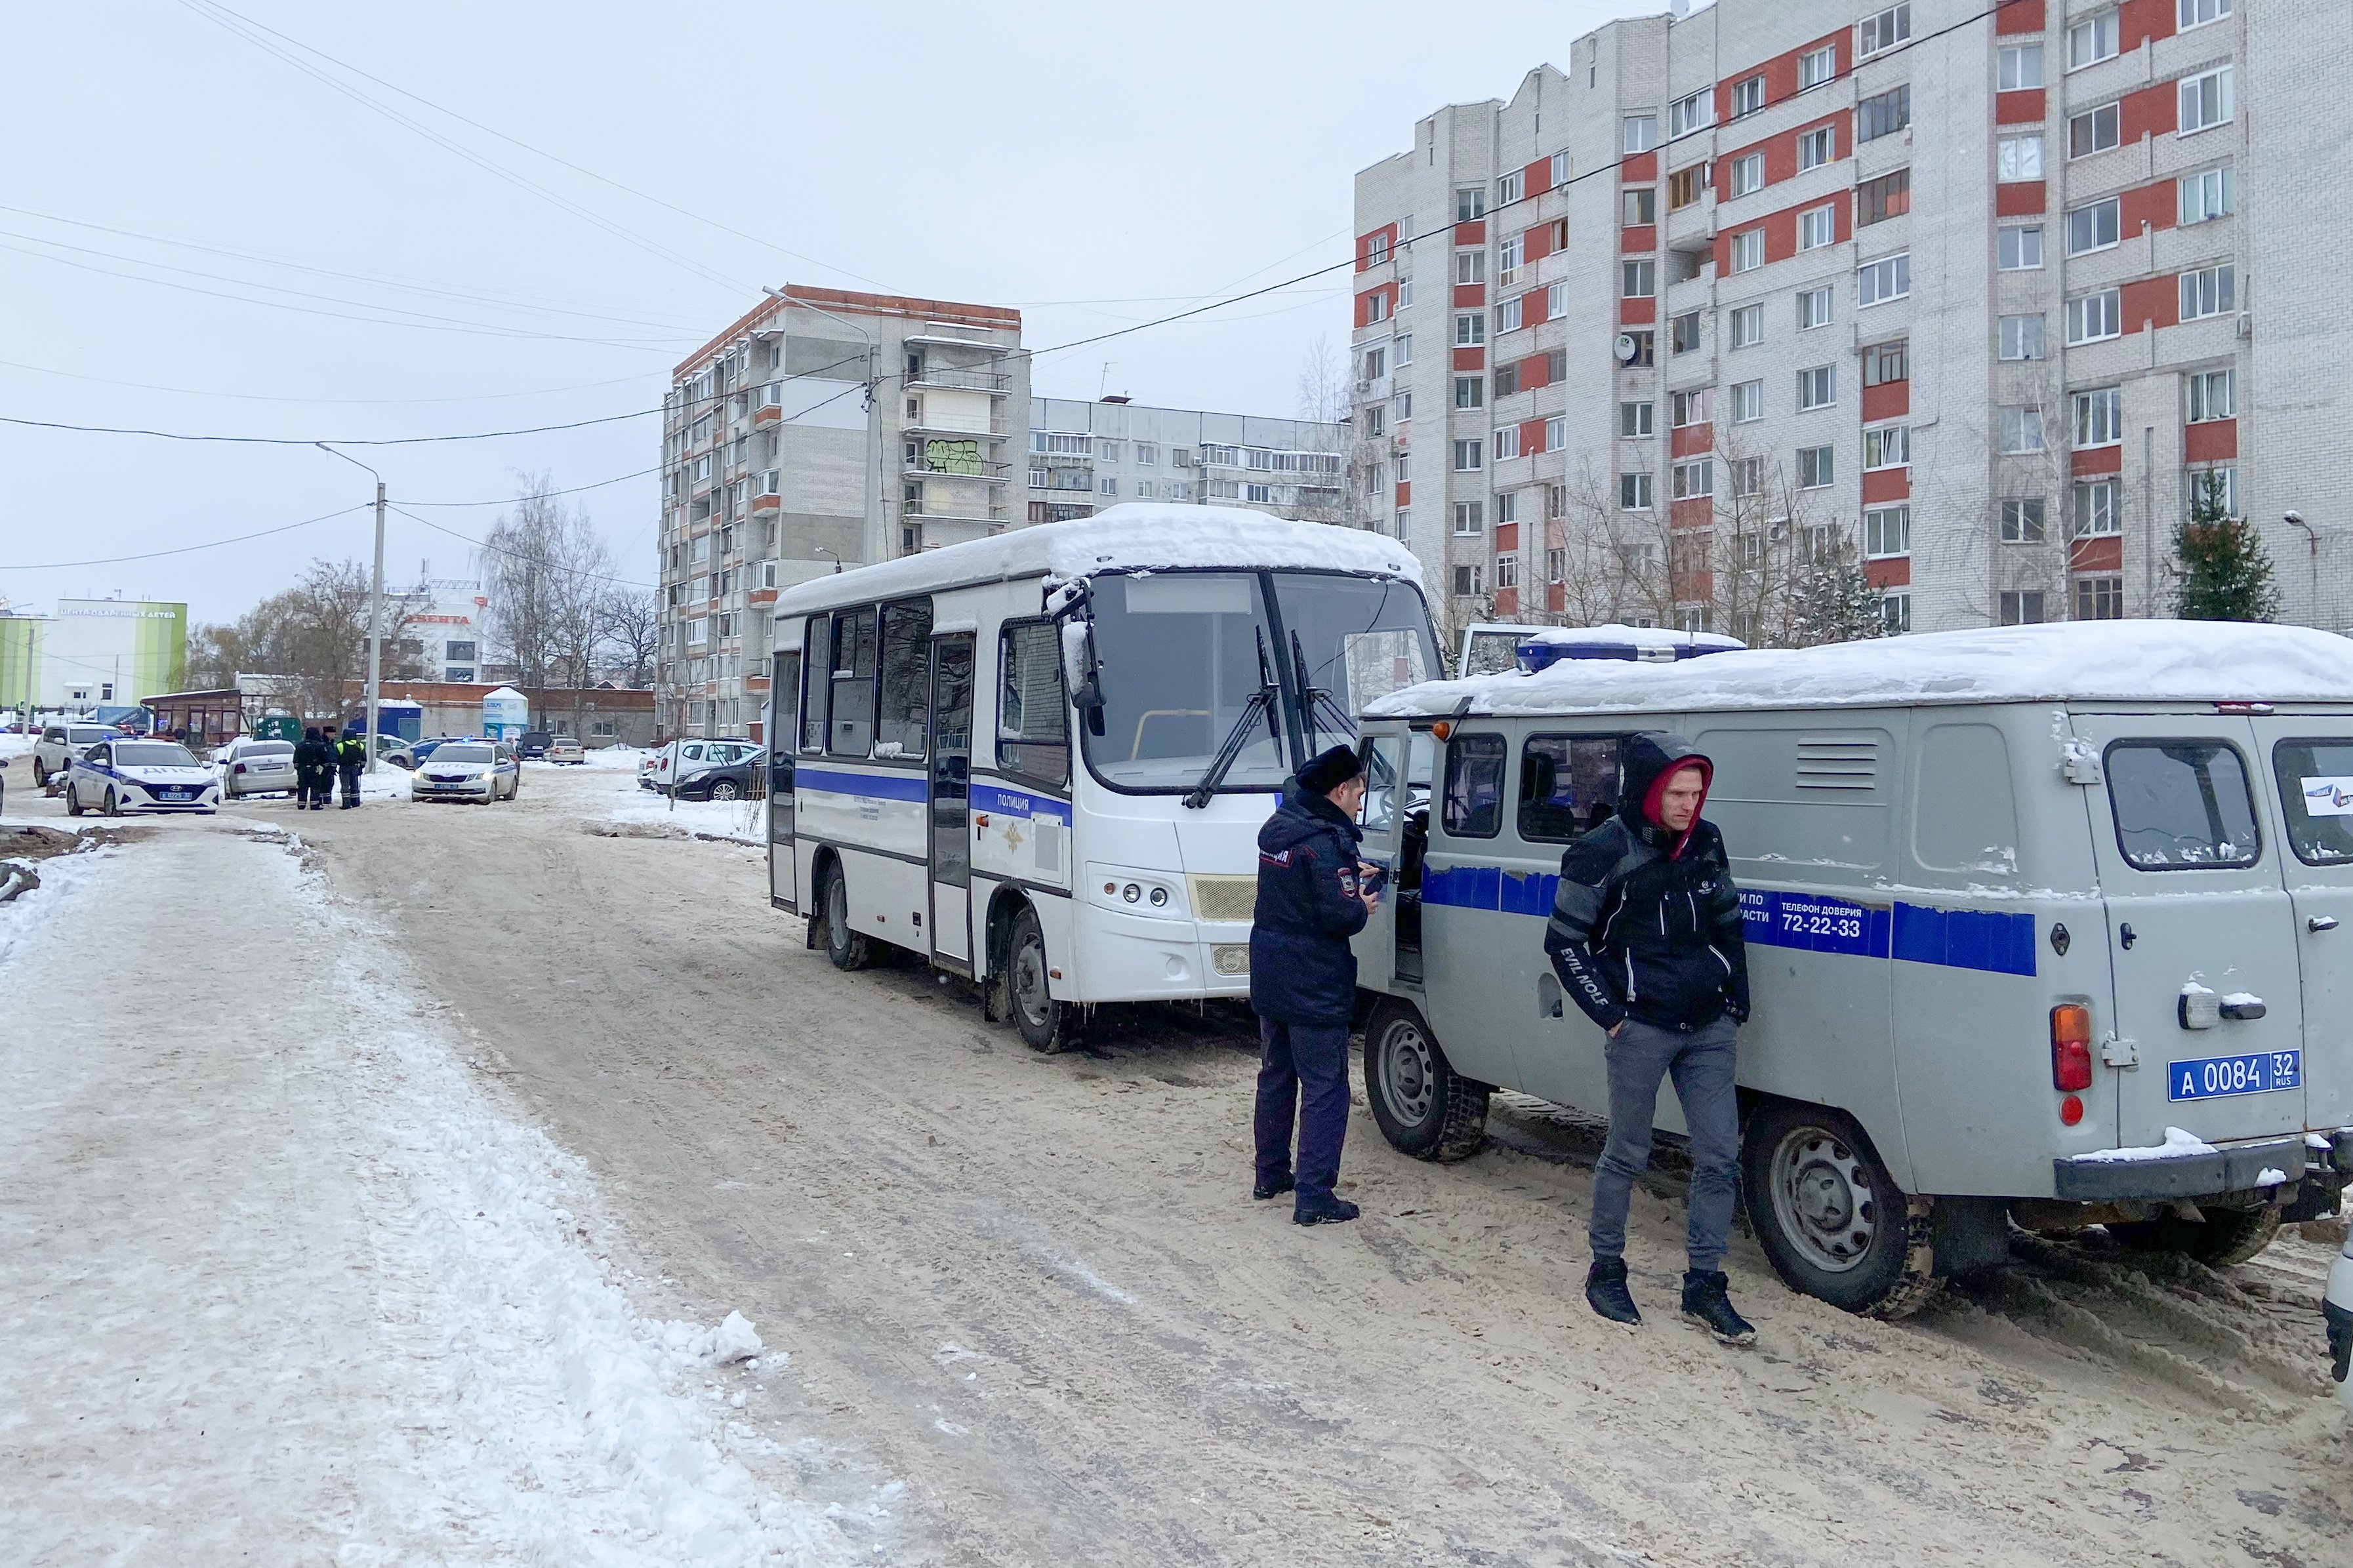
2226 572
1831 599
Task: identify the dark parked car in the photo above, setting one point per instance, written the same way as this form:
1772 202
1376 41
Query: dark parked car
724 781
533 747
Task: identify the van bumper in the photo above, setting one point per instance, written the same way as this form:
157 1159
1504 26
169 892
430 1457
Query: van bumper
2231 1168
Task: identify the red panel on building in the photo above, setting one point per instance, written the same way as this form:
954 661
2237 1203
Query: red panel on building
2139 20
2151 111
1781 151
1405 492
1639 240
1880 486
1535 243
1895 571
1532 436
1636 312
1555 597
1507 536
2020 108
1469 359
1888 400
2095 460
1388 236
1472 233
1781 74
2019 198
1532 308
1531 373
2151 302
1537 178
2103 553
2019 16
1690 440
1507 602
1466 294
2209 440
1697 514
1639 169
1386 296
2157 205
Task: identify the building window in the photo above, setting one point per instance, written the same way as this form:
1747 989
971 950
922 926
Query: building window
2094 509
1748 175
2021 337
1685 329
1555 304
2099 416
1816 67
1507 379
1556 433
1507 508
1400 348
1507 189
1641 132
2092 40
1645 349
2222 484
1507 316
2021 429
1470 267
1108 487
1813 308
2213 395
1404 292
1637 280
1470 203
1634 419
1895 613
1890 278
1466 582
1684 185
1470 517
1401 406
1816 147
1634 491
1560 167
2206 194
1685 409
1884 114
1747 476
2205 102
1747 97
1376 362
1887 446
2020 65
1748 250
1889 195
2094 131
2191 13
1469 392
1376 306
1747 326
2022 607
1885 31
2019 158
1818 227
2095 316
1507 259
2208 291
1556 564
1469 456
1693 480
2099 598
2020 249
1817 468
1639 207
1471 330
1507 445
1887 530
2022 520
1688 114
1747 402
1507 570
1817 388
1376 249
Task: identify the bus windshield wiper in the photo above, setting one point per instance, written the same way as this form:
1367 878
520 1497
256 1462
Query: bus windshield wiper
1262 701
1313 698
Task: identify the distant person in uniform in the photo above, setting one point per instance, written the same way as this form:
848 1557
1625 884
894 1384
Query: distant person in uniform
314 771
1645 934
1312 898
351 760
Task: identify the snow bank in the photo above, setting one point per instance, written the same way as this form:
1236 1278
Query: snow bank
65 878
2189 661
2177 1144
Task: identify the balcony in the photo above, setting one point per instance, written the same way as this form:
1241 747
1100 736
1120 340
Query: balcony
962 378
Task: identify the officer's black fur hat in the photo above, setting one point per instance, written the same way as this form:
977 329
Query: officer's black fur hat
1328 772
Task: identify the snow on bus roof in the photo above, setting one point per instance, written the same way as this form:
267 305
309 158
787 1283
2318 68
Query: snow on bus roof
2091 661
1134 536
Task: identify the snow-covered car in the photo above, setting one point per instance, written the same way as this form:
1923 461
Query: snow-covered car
468 770
252 765
2336 1306
133 775
59 744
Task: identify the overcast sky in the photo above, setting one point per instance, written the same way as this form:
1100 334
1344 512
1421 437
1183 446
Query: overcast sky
199 235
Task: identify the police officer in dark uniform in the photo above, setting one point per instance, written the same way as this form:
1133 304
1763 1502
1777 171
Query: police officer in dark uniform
1312 898
314 771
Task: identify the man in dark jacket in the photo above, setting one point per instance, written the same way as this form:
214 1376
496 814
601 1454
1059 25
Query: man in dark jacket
350 759
1311 899
314 771
1645 934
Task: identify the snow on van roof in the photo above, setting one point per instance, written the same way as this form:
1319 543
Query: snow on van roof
2091 661
1134 536
1616 635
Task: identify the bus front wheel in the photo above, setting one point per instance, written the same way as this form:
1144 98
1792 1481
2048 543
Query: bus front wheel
1047 1025
845 947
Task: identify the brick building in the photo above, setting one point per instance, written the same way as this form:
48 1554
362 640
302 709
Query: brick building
1977 291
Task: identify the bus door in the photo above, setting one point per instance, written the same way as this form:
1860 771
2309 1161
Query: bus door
783 734
950 772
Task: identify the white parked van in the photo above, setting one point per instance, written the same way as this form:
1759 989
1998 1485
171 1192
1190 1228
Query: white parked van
2043 926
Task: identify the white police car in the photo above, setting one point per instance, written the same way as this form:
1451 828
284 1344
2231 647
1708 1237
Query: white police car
468 770
130 774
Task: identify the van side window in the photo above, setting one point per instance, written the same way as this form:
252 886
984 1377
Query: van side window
1474 785
1568 785
1964 815
852 733
2315 786
2182 805
1033 733
906 679
817 654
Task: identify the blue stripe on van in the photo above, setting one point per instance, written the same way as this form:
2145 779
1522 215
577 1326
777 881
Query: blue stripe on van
1983 939
1019 802
895 784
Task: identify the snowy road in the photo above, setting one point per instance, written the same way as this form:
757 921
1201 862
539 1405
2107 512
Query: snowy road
1033 1292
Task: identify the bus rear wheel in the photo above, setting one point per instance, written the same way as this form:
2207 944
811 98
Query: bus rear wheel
845 947
1047 1025
1831 1220
1422 1106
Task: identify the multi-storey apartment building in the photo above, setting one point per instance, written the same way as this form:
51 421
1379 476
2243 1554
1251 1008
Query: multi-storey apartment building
823 428
1980 291
1083 456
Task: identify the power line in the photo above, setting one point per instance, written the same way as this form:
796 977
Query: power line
510 500
322 402
186 549
538 561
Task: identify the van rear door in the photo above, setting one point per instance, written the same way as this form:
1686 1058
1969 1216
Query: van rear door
2310 761
2200 935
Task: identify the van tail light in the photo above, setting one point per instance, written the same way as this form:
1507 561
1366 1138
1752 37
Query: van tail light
2070 1047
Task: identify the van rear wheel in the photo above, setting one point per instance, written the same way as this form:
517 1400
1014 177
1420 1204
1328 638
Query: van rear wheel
848 949
1831 1221
1423 1107
2224 1237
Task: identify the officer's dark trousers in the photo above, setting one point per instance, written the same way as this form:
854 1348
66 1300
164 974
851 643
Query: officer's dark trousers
1303 1069
312 786
351 776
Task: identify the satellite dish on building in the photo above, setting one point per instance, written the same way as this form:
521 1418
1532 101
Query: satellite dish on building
1627 348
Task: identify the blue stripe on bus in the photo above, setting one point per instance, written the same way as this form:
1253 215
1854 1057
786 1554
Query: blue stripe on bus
1990 942
1019 802
893 785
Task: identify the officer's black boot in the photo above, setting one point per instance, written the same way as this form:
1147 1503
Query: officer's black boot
1322 1209
1273 1189
1706 1303
1606 1292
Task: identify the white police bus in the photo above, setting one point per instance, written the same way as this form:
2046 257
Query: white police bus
1040 759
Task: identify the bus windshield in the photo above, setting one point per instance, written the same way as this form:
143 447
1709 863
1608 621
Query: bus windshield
1185 656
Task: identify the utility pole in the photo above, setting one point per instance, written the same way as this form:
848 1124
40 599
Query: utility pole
376 608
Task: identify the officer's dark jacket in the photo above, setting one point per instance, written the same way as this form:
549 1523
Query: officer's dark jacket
1647 922
1302 968
351 752
313 756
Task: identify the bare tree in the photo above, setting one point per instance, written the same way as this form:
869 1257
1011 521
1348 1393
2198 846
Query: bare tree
632 634
545 570
1595 570
1323 400
314 636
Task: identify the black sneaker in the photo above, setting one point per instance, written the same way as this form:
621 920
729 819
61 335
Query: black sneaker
1326 1210
1706 1303
1273 1189
1606 1292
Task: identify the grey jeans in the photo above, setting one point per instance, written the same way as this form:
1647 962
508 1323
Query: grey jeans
1701 1063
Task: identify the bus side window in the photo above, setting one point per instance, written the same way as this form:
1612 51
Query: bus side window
1033 734
1474 785
853 731
1568 785
906 679
816 648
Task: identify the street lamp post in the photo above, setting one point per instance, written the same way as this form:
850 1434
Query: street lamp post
375 610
